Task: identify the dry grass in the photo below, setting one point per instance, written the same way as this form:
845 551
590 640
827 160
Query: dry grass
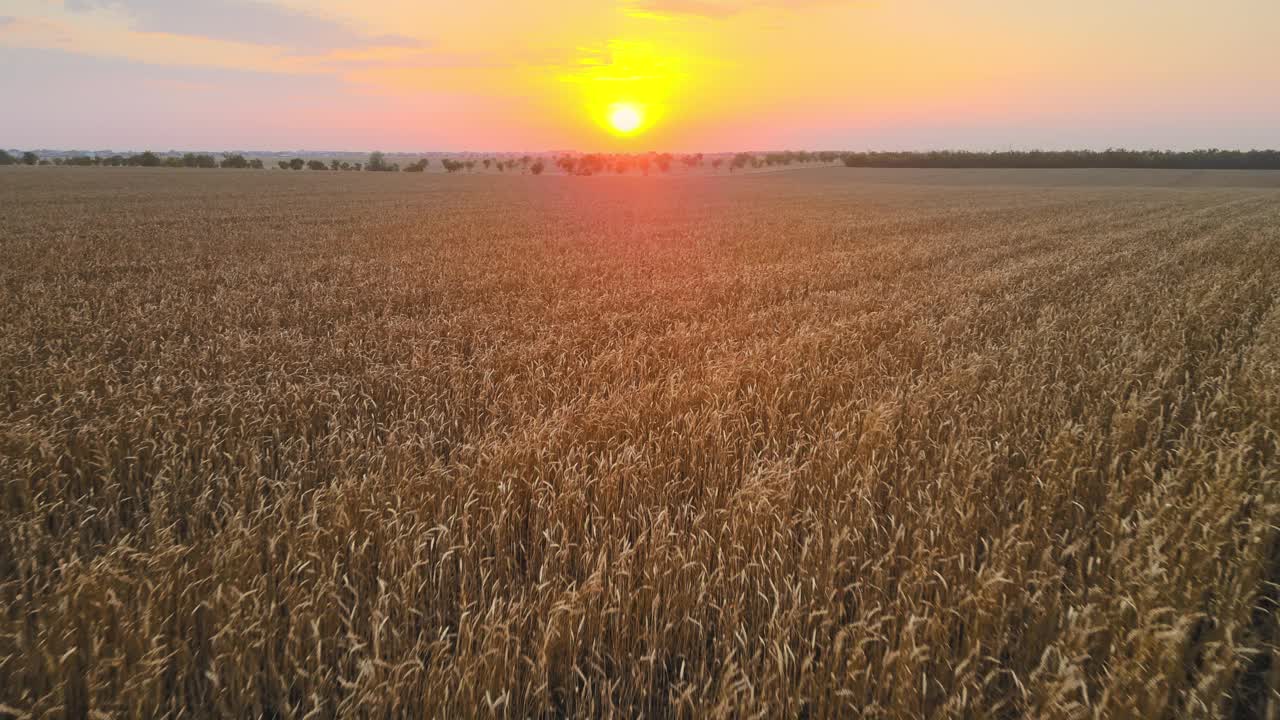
810 444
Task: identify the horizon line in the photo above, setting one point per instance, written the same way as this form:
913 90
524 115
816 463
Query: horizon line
955 150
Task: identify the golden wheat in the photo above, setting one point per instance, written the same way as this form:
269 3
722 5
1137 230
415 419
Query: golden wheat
819 444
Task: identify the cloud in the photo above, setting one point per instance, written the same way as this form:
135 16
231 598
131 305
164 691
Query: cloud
718 9
20 30
243 21
699 8
139 105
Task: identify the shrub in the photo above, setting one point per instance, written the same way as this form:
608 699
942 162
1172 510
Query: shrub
236 161
145 159
193 160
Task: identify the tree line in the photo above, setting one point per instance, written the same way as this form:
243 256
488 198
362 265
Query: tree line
144 159
1212 159
570 164
645 163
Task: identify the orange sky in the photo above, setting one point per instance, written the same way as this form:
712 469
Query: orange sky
712 74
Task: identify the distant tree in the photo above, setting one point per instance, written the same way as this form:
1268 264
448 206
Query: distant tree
297 164
193 160
741 160
173 162
44 162
537 167
357 166
255 164
317 165
236 162
7 159
114 161
377 162
30 158
57 161
146 159
335 165
284 164
80 161
345 166
591 164
451 166
663 162
486 162
417 167
715 164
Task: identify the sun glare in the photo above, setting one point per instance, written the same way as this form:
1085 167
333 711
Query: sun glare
626 88
625 118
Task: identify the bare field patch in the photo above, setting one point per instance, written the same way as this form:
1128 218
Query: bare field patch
817 444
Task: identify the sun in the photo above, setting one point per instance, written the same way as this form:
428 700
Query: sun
625 118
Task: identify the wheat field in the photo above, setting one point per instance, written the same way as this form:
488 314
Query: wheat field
825 443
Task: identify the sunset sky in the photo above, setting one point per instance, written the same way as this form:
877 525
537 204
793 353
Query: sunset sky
710 75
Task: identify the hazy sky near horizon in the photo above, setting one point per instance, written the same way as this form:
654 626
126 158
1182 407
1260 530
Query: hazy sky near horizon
712 75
